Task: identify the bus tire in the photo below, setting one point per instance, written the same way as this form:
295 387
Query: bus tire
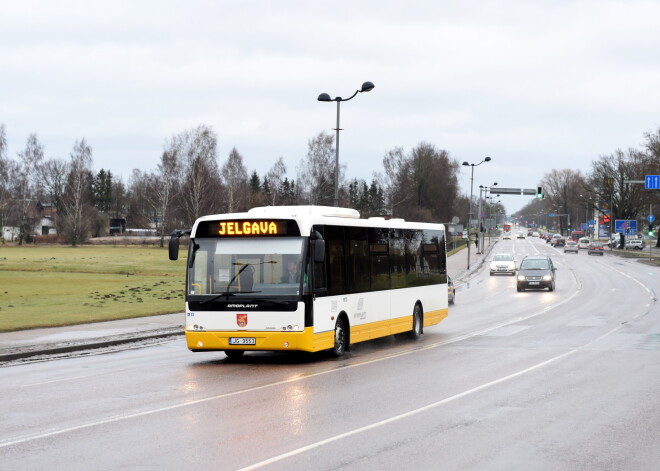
416 330
341 338
234 354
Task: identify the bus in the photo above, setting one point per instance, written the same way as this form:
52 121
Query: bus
309 278
506 228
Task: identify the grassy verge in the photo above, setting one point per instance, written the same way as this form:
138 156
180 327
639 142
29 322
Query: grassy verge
47 286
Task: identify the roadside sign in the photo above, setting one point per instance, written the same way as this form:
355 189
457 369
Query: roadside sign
652 182
625 226
551 215
650 218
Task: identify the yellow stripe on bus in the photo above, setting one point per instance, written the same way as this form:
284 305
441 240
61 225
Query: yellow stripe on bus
305 341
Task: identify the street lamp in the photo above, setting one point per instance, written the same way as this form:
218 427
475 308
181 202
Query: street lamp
366 87
467 164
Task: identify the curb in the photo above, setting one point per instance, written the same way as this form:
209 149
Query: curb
63 348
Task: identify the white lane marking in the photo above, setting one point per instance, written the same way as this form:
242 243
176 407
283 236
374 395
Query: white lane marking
112 419
117 418
433 405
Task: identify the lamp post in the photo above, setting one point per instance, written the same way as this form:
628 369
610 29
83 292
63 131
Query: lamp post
467 164
366 87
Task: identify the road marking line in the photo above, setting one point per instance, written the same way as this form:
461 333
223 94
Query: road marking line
112 419
413 412
117 418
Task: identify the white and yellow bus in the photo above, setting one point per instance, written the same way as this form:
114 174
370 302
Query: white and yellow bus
309 278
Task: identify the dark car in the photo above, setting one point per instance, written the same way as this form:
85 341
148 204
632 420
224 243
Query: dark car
595 248
536 272
451 292
559 242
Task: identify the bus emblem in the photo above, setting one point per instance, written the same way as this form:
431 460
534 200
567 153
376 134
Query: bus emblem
241 320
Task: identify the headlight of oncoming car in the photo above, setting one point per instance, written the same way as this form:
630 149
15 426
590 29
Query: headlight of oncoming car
547 278
521 278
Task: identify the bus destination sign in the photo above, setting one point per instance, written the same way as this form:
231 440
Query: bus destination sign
247 228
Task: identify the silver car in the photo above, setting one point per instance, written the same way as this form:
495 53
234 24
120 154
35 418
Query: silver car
503 263
571 246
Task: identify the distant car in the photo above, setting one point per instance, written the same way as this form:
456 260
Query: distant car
535 234
451 292
503 263
571 246
559 242
583 243
506 235
636 244
521 235
536 272
530 233
595 248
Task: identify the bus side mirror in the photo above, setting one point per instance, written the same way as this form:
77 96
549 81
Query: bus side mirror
174 246
318 246
319 250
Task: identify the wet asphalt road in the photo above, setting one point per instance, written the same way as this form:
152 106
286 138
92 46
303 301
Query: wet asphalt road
534 380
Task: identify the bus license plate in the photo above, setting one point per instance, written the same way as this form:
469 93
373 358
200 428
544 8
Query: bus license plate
533 282
242 341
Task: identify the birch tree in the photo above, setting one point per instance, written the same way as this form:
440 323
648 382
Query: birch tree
77 197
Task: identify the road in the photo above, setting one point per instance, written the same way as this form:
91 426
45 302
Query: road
563 380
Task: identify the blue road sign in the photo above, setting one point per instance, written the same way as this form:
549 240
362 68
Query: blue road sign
592 222
650 218
652 182
551 215
625 226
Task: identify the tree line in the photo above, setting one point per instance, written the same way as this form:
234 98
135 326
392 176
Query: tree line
190 180
607 190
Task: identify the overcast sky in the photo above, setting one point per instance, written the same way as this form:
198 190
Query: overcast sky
535 85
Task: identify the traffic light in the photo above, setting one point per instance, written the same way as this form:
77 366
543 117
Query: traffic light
539 192
650 233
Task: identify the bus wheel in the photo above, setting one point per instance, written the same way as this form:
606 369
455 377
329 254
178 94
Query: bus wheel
417 323
341 338
233 354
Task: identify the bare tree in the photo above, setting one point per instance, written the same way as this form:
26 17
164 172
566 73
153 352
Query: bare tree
396 180
77 210
562 189
142 206
29 161
54 174
316 173
607 182
9 174
275 178
235 183
164 187
201 179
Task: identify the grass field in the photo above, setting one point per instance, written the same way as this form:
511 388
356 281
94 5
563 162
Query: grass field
46 286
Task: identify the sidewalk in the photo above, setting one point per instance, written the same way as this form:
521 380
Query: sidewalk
35 343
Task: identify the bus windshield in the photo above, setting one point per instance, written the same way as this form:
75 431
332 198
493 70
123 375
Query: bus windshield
254 267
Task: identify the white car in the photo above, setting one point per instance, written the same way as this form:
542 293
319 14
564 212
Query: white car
637 244
506 235
521 235
583 243
535 234
503 263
